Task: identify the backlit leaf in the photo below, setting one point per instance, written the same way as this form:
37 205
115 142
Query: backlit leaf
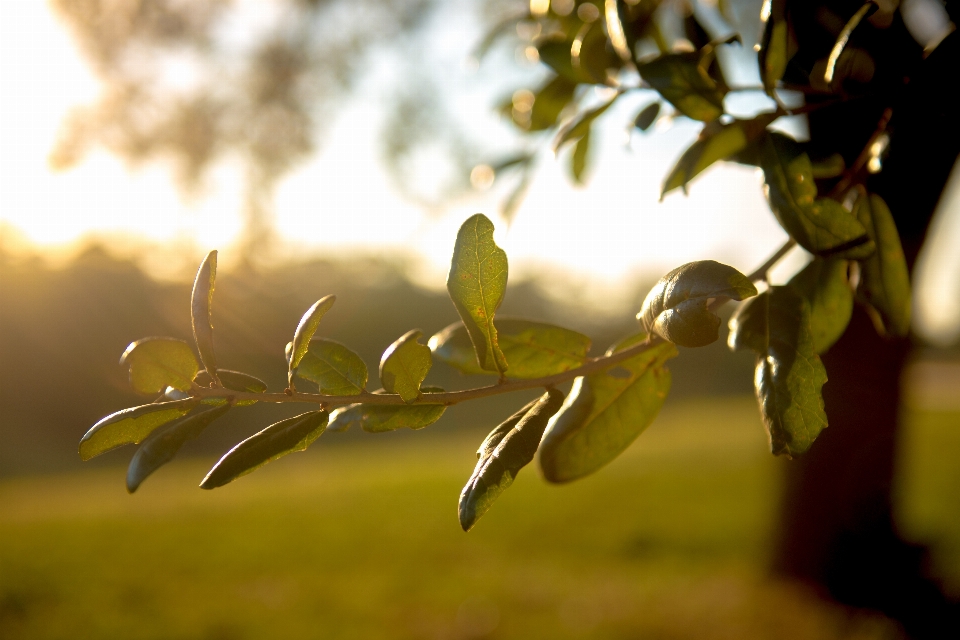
306 328
821 226
509 448
676 309
378 418
131 426
404 365
235 381
773 54
716 142
789 374
580 126
337 370
578 159
201 312
605 412
156 363
884 278
680 79
548 102
162 445
533 349
277 440
824 285
477 282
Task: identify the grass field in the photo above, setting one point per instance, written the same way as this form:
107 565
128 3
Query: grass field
360 539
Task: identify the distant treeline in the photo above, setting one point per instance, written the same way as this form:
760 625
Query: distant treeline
62 331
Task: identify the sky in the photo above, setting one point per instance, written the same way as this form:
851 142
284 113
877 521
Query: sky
343 201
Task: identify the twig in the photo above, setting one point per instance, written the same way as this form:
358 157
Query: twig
593 365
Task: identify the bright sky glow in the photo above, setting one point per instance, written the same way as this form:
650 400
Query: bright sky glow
343 200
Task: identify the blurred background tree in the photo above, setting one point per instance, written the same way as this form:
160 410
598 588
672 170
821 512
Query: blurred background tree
181 81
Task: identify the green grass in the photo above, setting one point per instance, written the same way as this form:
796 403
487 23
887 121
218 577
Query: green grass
360 540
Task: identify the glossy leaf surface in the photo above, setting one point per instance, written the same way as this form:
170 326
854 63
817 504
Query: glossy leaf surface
533 349
477 282
823 284
277 440
375 418
680 79
335 369
162 445
789 374
158 363
509 448
821 226
605 412
884 278
676 309
201 312
131 426
404 365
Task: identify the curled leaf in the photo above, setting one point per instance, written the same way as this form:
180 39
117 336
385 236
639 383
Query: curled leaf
162 445
789 374
404 365
337 370
277 440
306 328
773 52
605 412
677 308
201 312
884 277
156 363
509 448
841 43
131 426
477 283
533 349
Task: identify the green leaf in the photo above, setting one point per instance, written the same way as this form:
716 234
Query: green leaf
533 349
824 285
156 363
404 365
821 226
884 278
676 309
593 58
789 375
306 328
549 102
201 312
832 166
647 116
235 381
773 54
509 448
554 52
605 412
680 79
477 283
277 440
716 142
579 127
131 426
578 159
162 445
378 418
337 370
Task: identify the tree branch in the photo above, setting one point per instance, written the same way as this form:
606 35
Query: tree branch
593 365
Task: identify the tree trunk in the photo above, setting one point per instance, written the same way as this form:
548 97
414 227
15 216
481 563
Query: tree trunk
837 529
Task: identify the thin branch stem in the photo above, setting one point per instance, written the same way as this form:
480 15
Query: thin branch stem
593 365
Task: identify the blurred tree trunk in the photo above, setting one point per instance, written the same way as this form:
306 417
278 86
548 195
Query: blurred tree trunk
837 529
